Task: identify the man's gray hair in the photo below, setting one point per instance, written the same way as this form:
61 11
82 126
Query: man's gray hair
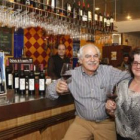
80 53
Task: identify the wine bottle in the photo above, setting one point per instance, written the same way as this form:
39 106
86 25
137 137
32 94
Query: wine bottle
84 16
41 81
22 81
31 81
47 6
108 23
96 20
89 16
9 76
111 23
53 5
68 10
16 79
105 22
74 10
80 11
100 22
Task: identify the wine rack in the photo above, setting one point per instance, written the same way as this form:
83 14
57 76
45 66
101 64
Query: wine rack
54 21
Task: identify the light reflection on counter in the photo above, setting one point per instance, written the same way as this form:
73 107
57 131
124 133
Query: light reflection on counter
13 97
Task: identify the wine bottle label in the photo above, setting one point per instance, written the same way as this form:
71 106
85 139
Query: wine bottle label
16 82
111 20
96 17
80 12
108 22
10 79
104 21
31 84
69 7
74 13
27 2
84 17
101 18
41 84
22 83
89 15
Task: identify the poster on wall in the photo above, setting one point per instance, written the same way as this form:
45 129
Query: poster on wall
6 44
76 47
114 55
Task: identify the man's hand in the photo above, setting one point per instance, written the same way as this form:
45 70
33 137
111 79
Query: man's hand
110 107
62 87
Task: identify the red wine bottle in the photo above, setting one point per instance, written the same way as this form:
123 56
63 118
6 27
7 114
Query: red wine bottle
16 79
111 23
105 23
89 16
41 81
96 22
100 27
68 10
53 5
84 16
31 81
80 11
22 83
74 10
108 23
9 76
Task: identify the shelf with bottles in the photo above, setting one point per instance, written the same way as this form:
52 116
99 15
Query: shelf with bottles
52 19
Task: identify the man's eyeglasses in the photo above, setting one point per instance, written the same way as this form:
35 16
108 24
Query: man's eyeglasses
135 63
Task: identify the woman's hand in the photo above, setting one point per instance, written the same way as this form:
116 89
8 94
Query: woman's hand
110 107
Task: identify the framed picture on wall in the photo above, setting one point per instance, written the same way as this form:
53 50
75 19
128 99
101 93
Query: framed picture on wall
6 40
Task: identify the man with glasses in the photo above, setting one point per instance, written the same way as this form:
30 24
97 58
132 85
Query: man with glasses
90 84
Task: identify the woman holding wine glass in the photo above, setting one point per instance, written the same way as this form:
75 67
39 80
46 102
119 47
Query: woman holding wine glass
89 86
127 113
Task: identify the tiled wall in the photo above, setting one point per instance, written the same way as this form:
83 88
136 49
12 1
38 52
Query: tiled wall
40 49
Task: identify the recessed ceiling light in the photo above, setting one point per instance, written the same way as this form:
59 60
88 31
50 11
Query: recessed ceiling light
128 17
97 8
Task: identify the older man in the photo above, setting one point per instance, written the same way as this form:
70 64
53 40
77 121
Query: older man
89 86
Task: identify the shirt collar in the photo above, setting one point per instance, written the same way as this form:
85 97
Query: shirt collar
83 72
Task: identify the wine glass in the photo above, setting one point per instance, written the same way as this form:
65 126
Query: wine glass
65 71
112 95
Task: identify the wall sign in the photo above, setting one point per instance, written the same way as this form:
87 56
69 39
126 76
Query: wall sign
6 44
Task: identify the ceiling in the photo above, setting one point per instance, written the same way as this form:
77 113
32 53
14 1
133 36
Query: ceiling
120 9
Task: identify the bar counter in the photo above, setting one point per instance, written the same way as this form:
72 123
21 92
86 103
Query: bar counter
36 118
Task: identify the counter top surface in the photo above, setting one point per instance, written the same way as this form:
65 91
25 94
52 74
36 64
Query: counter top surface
17 105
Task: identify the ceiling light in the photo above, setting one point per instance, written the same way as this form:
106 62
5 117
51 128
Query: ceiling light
128 17
97 8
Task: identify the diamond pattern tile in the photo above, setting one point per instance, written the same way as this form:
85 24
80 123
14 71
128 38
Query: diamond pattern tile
37 48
